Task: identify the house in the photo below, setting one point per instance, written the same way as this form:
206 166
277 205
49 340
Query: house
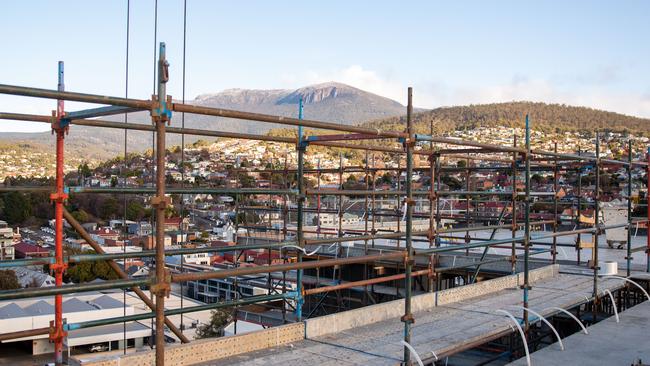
6 241
333 219
31 278
177 223
26 250
119 223
104 233
149 242
141 228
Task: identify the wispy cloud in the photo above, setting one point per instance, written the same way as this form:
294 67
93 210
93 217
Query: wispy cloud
590 89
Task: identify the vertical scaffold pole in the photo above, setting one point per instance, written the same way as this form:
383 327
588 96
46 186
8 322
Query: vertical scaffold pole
60 128
526 285
160 115
647 249
513 254
596 223
301 147
579 210
628 257
555 193
409 145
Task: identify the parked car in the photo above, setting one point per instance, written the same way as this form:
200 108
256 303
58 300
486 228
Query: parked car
100 347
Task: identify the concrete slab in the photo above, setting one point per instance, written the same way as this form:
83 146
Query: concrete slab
365 336
608 343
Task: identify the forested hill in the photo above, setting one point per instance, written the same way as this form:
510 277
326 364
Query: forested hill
543 117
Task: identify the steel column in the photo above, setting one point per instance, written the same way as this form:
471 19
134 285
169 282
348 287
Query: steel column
526 285
409 144
57 334
161 288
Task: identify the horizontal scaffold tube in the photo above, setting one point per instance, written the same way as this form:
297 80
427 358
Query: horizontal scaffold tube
370 281
115 190
142 254
186 108
202 132
488 261
77 97
24 334
468 246
70 289
362 192
219 112
178 311
242 271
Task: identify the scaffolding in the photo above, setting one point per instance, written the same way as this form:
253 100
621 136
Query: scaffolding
304 252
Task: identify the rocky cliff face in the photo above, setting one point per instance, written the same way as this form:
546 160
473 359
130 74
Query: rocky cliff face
331 102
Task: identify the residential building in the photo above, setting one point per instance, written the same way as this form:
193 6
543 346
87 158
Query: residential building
6 241
27 250
142 228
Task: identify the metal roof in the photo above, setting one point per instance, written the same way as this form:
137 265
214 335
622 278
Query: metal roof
107 302
11 311
39 308
74 305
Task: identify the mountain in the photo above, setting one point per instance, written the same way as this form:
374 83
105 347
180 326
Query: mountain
331 102
543 117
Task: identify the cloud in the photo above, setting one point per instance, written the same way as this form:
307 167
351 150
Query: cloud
589 90
357 76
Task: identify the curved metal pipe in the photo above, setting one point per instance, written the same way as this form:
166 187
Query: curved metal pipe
521 333
540 317
613 303
417 357
630 281
302 249
584 329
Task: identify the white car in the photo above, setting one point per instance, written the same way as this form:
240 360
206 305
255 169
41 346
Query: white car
98 348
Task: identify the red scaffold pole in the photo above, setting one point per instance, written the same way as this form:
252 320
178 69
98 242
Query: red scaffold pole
59 127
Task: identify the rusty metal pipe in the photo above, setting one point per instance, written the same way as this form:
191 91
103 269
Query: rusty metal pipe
242 271
117 269
77 97
227 113
367 282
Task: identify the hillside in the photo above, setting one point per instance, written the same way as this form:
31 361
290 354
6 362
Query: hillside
543 117
332 102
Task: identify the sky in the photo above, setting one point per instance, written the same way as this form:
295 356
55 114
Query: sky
588 53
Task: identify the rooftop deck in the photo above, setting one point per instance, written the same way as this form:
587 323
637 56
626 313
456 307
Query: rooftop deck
445 323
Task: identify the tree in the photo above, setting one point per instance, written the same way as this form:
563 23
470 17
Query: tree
84 171
17 208
246 181
89 270
219 319
81 216
109 208
135 211
8 280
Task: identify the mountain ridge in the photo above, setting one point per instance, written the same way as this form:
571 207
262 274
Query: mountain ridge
332 102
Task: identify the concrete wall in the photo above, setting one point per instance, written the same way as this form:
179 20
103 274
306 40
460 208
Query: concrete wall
395 309
206 349
41 346
213 349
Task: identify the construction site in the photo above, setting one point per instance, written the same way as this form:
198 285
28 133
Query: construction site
430 275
